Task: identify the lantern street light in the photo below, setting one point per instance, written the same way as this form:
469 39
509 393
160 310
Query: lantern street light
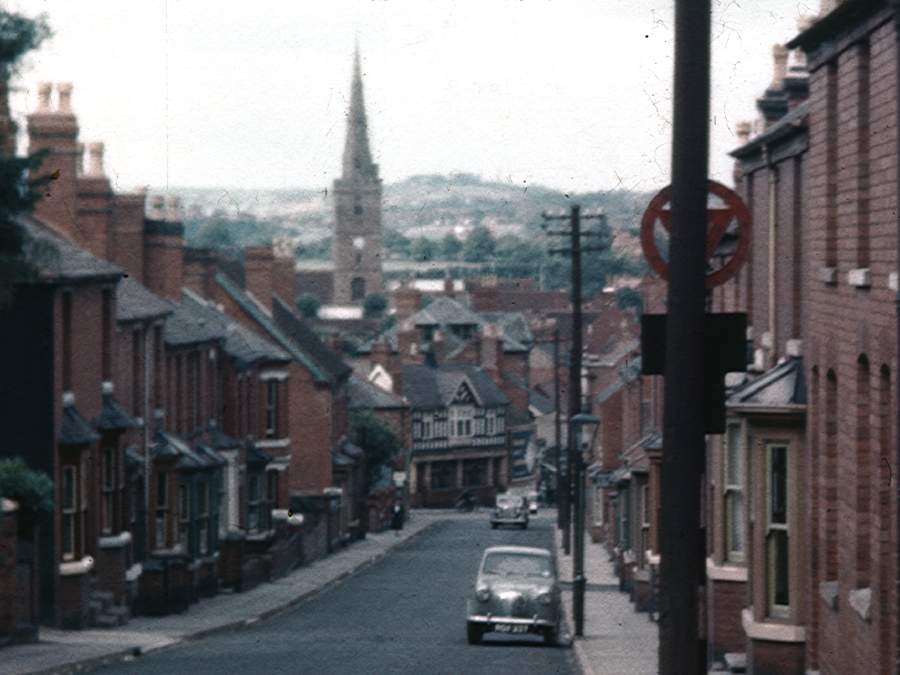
583 427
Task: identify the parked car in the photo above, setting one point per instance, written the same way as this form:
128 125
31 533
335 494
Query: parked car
533 502
516 592
510 510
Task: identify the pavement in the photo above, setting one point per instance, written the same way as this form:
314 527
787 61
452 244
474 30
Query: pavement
405 613
617 640
61 651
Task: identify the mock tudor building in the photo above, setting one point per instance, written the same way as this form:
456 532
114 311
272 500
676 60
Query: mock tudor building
459 436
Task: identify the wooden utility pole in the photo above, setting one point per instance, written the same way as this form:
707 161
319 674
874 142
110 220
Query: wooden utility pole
681 649
574 483
557 430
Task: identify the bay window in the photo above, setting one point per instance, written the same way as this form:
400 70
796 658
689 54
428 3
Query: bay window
461 421
272 409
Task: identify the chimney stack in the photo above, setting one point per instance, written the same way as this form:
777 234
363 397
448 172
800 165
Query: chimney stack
56 133
126 244
164 249
489 347
258 264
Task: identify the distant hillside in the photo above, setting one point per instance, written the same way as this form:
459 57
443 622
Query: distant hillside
429 205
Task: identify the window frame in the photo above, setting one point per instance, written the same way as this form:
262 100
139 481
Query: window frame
734 490
774 609
161 509
462 421
184 516
271 411
108 485
203 511
69 512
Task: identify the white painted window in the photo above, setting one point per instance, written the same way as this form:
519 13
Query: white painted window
733 482
69 512
461 421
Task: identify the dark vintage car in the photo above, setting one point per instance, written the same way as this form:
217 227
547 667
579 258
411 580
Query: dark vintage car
516 592
510 510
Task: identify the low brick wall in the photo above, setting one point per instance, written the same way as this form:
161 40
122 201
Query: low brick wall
726 633
165 587
110 566
74 591
775 658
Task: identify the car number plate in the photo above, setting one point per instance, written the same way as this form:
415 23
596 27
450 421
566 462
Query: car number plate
511 628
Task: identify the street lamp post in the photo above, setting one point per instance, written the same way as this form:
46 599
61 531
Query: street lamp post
583 427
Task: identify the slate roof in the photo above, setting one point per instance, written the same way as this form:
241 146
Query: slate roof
134 302
241 343
75 429
268 324
428 388
170 445
185 327
58 259
444 311
113 416
305 337
364 394
787 124
783 386
513 325
543 404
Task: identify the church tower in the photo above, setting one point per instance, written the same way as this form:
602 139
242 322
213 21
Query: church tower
357 244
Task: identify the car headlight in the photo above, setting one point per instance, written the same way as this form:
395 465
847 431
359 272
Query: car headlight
545 598
483 594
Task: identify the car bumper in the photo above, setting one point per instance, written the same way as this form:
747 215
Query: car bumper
500 520
490 623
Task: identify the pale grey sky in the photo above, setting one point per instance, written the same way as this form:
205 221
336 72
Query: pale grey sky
572 94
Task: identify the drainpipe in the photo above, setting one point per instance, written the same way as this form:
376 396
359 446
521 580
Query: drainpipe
773 235
895 4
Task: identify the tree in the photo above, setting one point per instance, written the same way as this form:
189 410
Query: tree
320 249
377 440
374 306
479 245
308 304
33 490
397 243
451 246
18 193
423 249
215 233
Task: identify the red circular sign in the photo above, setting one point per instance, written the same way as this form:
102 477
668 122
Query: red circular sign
719 219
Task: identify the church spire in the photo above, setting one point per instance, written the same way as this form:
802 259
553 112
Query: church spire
357 155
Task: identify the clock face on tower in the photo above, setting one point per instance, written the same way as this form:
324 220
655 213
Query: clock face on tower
359 243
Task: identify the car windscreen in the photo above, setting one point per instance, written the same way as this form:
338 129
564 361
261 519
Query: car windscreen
507 503
517 564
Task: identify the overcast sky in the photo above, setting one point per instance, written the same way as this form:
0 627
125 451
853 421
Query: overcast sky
572 94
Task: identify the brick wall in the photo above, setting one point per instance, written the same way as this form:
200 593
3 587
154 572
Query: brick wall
8 588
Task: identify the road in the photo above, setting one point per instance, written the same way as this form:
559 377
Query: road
403 614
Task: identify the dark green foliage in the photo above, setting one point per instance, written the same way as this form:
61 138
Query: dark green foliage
376 438
33 490
451 247
374 306
308 305
319 249
18 193
397 244
18 36
423 249
479 245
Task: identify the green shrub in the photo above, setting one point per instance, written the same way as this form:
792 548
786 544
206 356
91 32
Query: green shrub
33 490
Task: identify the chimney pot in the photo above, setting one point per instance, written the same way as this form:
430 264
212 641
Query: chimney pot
779 58
43 90
95 159
64 104
742 130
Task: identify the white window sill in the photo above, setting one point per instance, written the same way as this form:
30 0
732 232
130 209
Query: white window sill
76 567
134 572
295 519
725 572
828 275
273 443
770 631
115 541
860 277
861 602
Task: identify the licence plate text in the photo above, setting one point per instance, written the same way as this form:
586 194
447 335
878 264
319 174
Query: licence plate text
510 628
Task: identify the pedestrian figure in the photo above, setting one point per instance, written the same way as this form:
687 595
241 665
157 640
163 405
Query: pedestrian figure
397 519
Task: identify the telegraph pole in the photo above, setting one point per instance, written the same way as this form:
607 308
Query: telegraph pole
557 430
681 650
574 483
